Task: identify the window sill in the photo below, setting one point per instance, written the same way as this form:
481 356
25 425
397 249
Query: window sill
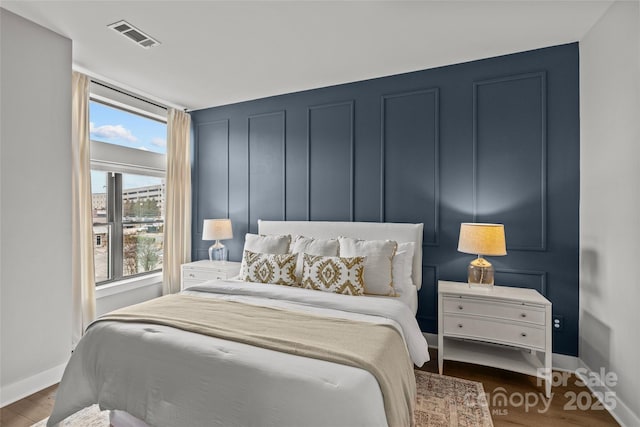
127 285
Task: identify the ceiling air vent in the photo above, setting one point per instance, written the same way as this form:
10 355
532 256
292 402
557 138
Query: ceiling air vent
134 34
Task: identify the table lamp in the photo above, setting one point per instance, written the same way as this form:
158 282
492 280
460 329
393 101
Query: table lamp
217 229
481 239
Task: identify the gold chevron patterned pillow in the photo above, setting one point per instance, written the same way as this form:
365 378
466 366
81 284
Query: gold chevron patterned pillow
278 269
333 274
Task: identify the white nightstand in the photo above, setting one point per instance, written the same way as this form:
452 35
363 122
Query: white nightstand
197 272
507 328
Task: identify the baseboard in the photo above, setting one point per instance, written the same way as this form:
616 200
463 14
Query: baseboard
25 387
432 339
621 412
562 362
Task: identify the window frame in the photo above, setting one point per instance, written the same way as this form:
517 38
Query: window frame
115 160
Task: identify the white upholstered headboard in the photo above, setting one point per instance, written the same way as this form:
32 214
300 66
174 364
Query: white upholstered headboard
401 233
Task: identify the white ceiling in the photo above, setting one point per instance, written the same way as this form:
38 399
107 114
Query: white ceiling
216 53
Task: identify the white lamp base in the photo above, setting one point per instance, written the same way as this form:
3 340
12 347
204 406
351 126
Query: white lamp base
217 252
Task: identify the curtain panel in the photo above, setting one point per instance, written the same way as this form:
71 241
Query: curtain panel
82 276
177 229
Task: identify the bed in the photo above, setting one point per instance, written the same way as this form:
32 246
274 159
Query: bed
159 375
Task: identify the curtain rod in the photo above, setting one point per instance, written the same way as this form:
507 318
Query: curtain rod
99 83
121 87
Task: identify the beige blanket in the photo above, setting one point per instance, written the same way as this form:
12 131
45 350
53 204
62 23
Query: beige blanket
377 348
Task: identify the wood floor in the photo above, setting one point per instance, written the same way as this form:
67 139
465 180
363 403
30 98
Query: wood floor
518 390
29 410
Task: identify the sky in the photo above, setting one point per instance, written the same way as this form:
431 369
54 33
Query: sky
108 124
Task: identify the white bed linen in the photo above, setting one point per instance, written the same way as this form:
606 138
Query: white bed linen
409 296
399 232
170 377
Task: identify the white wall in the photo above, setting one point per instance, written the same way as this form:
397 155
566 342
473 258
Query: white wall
35 201
109 298
610 202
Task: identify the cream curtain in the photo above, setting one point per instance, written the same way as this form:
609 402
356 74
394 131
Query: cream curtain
177 228
82 276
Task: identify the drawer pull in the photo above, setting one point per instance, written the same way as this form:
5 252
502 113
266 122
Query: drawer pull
523 315
192 275
524 334
460 307
459 325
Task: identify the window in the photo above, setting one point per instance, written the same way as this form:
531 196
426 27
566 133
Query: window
128 157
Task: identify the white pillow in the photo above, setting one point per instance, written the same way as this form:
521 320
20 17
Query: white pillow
264 244
267 244
378 278
308 245
403 268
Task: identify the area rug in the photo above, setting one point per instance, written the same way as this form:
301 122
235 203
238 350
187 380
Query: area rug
88 417
442 402
450 402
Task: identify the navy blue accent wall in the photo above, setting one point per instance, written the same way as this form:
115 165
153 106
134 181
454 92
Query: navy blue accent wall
495 140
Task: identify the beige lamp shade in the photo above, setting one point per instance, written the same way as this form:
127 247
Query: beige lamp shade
217 229
482 239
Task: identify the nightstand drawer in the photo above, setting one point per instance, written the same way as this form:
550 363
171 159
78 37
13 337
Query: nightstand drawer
502 310
203 275
513 333
198 272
